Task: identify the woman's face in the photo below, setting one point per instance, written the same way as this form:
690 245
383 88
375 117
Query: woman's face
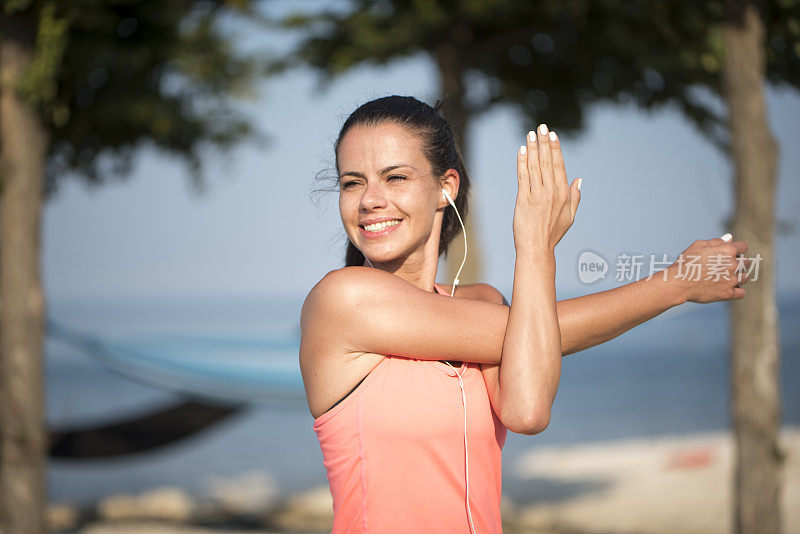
388 197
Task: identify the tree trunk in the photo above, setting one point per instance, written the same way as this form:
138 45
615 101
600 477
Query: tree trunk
755 365
23 148
458 115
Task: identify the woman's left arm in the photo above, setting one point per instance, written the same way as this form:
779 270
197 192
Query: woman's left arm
594 319
590 320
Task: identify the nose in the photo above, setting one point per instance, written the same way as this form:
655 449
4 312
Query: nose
373 197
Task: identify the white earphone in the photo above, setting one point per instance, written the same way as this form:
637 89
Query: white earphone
450 200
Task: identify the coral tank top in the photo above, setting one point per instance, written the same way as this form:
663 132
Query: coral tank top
394 451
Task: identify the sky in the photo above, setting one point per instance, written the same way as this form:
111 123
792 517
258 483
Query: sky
651 186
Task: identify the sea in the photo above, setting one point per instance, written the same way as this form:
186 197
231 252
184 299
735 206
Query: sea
666 377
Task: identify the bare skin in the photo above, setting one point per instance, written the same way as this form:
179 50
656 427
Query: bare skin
357 315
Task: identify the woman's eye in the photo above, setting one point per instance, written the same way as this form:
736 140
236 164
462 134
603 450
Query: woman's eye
352 183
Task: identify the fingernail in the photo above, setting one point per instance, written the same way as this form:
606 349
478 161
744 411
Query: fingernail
523 149
553 137
727 237
580 180
532 135
543 129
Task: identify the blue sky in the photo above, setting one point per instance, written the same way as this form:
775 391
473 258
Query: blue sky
651 185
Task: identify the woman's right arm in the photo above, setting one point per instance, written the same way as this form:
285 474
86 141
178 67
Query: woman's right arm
354 310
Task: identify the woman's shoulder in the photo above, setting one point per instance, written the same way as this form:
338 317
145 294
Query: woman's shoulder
352 281
330 302
341 288
339 283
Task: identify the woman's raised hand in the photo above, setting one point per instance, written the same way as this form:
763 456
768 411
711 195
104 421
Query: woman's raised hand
546 203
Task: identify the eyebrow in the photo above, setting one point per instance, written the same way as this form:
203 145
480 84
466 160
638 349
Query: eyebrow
383 171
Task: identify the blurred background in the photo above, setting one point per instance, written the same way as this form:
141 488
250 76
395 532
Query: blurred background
176 255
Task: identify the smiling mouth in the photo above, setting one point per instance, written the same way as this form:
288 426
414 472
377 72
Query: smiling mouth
379 229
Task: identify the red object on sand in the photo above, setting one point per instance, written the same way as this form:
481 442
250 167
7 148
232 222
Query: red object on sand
691 458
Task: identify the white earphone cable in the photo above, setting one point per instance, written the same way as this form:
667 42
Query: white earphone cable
466 451
461 382
463 261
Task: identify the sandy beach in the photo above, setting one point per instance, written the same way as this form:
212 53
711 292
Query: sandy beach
680 484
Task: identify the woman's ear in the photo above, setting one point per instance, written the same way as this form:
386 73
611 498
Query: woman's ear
450 183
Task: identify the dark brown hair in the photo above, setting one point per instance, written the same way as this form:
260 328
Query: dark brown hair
438 144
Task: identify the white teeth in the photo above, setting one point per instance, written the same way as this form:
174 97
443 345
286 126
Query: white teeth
377 227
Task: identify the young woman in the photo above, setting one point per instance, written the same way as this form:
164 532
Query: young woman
413 391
